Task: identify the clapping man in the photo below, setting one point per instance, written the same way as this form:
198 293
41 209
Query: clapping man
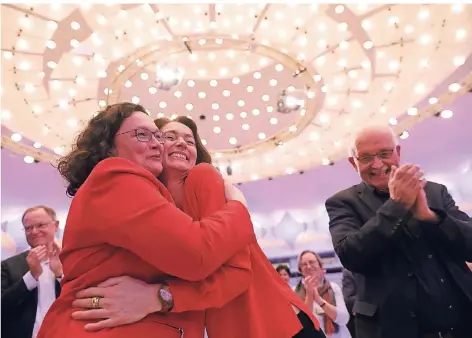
406 242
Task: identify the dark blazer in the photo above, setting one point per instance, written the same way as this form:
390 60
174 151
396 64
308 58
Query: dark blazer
350 295
367 236
18 304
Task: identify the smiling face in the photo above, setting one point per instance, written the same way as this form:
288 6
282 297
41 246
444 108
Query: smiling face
285 276
375 153
130 142
40 227
180 152
310 266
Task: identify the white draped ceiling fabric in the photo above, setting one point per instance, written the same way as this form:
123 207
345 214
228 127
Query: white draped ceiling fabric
356 63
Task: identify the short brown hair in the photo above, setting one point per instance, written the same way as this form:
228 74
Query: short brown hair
203 155
318 258
48 210
94 144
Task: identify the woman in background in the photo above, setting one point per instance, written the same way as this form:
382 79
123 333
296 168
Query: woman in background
325 298
268 309
122 221
284 273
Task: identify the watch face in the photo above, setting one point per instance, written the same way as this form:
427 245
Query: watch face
166 296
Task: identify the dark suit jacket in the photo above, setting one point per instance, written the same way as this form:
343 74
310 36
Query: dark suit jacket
350 295
18 303
367 236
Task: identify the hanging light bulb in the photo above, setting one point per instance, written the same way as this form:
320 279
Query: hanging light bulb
168 77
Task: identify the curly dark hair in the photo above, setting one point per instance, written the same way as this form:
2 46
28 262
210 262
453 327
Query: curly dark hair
203 155
94 144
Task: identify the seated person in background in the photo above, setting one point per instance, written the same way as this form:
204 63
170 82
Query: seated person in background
269 308
122 221
284 273
406 242
30 280
349 294
323 297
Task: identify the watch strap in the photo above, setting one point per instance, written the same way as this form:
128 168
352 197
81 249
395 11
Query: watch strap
165 297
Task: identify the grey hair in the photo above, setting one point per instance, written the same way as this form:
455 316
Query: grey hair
377 128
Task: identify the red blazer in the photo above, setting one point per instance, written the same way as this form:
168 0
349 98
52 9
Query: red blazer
238 305
122 222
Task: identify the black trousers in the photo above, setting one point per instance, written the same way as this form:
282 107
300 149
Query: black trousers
308 330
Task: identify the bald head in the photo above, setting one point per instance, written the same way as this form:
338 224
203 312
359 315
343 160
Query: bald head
374 150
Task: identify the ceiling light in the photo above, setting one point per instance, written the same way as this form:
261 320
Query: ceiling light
325 161
279 67
420 88
250 89
256 112
63 104
366 24
233 140
270 109
454 87
404 135
215 106
257 75
216 117
22 44
223 71
339 9
213 83
273 120
75 25
74 43
245 126
189 106
50 44
28 159
128 84
152 90
162 104
16 137
265 98
72 123
168 77
393 121
461 34
229 116
243 115
458 61
261 136
178 94
423 14
236 80
457 8
135 99
144 76
446 114
368 44
412 111
217 130
190 83
226 93
342 26
37 145
433 100
241 103
202 95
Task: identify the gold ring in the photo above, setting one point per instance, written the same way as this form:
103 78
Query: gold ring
96 302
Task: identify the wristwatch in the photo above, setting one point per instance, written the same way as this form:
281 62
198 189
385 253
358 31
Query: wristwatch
165 297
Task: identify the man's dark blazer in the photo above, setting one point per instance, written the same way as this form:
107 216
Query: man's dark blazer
349 294
368 238
18 304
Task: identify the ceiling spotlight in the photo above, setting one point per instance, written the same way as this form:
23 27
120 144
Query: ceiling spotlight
290 102
168 77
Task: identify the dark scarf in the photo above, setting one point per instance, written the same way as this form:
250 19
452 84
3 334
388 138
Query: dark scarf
327 293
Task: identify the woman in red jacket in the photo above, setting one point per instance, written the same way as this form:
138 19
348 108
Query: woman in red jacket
122 221
267 307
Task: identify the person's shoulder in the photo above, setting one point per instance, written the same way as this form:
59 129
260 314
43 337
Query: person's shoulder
434 187
344 194
15 259
113 166
204 170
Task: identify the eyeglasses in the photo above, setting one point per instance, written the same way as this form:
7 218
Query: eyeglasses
28 229
381 155
172 137
313 264
145 135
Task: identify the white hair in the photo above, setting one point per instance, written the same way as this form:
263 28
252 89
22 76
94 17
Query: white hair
368 129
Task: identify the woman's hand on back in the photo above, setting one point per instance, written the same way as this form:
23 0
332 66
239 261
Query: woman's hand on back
234 194
123 300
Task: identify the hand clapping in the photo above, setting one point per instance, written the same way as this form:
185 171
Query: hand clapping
404 184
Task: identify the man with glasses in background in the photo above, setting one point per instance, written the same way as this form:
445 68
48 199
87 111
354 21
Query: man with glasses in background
406 242
30 280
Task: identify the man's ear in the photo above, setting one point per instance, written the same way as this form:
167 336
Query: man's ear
353 163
